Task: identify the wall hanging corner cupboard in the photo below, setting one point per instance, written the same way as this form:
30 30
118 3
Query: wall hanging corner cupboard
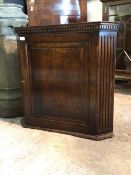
68 77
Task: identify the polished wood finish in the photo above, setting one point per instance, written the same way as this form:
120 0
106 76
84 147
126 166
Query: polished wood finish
50 12
68 77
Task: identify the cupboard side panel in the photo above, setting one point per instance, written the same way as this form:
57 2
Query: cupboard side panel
25 81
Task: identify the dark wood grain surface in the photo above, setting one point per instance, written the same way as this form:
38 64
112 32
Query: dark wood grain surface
48 12
68 77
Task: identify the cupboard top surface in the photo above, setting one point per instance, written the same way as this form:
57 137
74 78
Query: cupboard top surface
83 27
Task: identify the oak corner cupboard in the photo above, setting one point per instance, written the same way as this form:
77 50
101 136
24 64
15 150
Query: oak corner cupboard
68 77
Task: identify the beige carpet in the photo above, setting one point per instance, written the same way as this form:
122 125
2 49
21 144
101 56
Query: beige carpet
26 151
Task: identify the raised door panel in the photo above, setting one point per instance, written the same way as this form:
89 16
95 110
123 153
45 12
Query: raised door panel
59 82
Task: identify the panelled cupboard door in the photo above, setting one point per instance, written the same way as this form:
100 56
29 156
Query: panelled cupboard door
68 73
59 81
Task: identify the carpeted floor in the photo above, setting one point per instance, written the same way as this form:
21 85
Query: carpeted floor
26 151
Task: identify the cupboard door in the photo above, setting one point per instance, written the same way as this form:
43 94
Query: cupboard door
59 82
